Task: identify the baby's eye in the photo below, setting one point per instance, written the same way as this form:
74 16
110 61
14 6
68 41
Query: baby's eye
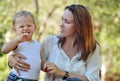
28 25
21 26
62 19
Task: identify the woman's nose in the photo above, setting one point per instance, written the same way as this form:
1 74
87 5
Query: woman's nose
61 24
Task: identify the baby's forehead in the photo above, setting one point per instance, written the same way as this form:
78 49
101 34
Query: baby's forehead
23 17
23 13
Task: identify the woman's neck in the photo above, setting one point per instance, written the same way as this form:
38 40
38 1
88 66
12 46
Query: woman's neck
70 41
69 47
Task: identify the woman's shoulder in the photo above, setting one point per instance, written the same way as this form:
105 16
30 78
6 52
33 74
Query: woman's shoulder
95 52
97 47
50 39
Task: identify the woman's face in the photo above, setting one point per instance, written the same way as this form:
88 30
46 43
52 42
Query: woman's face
67 24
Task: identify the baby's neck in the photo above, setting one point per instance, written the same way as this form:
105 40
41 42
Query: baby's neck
30 40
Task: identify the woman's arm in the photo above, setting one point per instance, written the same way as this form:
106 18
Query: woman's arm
45 50
53 69
93 65
83 78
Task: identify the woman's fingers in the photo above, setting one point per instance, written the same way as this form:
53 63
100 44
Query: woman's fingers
21 56
17 62
17 72
23 64
51 70
12 60
51 67
21 61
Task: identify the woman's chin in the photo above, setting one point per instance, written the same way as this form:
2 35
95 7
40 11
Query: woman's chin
60 35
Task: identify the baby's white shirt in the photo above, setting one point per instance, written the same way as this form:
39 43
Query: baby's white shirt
31 50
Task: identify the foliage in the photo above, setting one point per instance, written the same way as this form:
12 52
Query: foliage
4 69
105 16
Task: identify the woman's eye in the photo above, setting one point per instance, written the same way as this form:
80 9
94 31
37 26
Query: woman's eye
67 22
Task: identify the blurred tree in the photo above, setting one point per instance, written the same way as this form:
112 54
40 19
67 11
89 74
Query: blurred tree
105 16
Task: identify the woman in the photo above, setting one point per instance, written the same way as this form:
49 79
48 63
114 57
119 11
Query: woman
72 54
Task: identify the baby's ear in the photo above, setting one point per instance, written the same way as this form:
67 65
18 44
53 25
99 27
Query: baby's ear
35 28
14 29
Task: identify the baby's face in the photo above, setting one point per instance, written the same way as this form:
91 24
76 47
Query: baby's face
24 24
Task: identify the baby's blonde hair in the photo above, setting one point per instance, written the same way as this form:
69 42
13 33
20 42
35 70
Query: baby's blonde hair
23 13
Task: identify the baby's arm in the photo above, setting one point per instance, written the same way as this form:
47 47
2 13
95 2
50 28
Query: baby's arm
9 46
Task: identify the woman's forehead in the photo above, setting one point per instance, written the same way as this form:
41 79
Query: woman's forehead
68 15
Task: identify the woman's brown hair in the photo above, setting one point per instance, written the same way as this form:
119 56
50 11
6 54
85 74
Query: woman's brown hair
84 33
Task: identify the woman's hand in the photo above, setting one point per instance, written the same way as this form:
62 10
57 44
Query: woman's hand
16 61
53 69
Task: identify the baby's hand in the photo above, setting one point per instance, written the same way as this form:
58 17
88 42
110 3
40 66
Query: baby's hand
23 37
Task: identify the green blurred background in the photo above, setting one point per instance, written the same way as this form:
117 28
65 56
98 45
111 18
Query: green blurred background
106 22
